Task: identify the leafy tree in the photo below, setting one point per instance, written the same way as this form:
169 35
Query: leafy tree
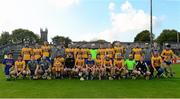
5 38
61 40
23 35
143 36
167 36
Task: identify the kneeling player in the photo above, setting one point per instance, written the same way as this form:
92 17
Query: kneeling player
32 66
108 65
90 67
69 66
100 69
58 67
142 68
80 67
118 69
156 62
130 65
44 69
9 63
20 68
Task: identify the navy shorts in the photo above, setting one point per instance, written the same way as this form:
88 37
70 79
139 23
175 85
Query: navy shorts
168 62
148 62
6 70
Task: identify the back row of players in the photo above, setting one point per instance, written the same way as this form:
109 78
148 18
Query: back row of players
116 62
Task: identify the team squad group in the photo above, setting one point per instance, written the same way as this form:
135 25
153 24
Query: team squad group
112 62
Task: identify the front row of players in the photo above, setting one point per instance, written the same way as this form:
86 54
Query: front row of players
84 69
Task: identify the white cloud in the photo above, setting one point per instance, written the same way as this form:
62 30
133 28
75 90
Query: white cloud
63 3
33 14
127 23
111 6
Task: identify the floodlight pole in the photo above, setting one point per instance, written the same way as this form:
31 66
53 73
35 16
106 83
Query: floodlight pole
151 24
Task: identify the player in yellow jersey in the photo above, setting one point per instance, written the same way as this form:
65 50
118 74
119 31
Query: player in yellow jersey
37 52
119 49
58 67
80 67
119 70
156 62
108 65
46 50
137 53
110 51
26 53
167 55
100 69
20 68
102 52
85 52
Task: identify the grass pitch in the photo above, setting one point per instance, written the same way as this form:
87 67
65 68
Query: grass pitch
167 88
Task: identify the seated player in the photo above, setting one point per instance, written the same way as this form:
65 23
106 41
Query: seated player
32 67
26 53
37 52
90 67
9 63
58 67
100 69
156 62
69 65
44 69
130 65
108 66
119 70
20 68
80 67
142 68
168 55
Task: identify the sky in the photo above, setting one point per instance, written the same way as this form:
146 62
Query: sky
90 19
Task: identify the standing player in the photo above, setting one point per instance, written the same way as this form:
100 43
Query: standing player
20 68
108 66
37 52
32 66
147 53
46 50
119 49
90 67
168 55
156 62
137 53
9 63
110 51
101 51
26 53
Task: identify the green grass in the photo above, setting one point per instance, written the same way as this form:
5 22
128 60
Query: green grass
168 88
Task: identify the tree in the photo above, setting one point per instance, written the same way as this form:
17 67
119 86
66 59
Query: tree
143 36
5 38
23 35
99 41
61 40
167 36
